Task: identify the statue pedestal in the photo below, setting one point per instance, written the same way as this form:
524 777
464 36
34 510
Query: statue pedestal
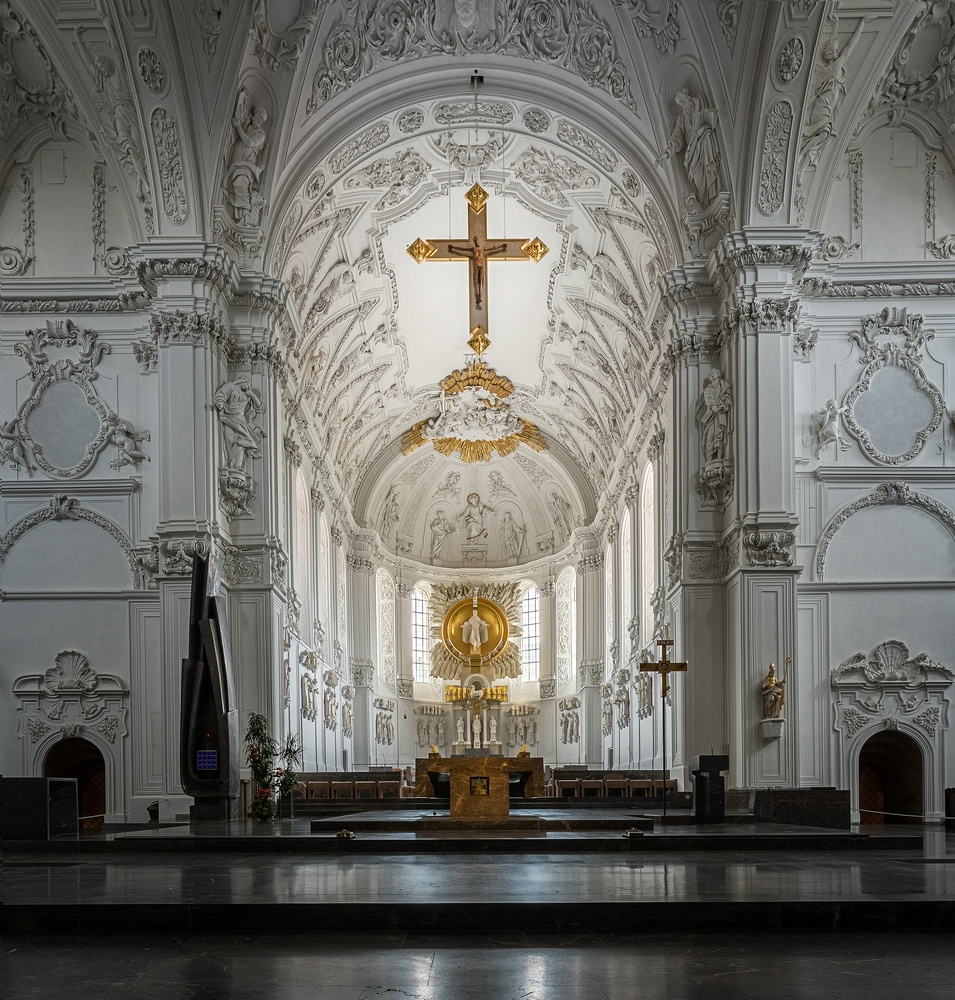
458 747
495 748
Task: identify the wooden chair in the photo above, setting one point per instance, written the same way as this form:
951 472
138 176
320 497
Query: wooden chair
641 787
365 789
342 790
568 788
389 789
317 790
591 788
616 788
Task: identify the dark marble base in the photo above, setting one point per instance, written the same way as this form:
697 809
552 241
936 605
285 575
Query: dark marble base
826 807
576 917
38 808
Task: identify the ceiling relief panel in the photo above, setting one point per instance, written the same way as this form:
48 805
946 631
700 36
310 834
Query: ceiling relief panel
378 248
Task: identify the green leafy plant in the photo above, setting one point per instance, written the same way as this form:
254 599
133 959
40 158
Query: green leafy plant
261 752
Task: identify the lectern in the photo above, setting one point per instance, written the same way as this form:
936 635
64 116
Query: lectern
709 787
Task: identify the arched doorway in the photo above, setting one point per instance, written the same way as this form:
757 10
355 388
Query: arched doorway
890 779
80 759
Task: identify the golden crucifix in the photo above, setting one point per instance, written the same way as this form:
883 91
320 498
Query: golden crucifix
663 666
477 250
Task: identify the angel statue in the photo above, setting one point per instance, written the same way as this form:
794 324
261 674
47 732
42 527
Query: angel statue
824 428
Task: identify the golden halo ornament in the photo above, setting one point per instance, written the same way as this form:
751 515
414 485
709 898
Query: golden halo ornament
475 629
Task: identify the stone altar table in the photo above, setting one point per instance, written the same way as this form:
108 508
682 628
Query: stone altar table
480 790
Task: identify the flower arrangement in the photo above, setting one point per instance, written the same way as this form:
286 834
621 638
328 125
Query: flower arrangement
271 782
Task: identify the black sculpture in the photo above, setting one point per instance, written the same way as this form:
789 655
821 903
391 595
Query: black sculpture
208 741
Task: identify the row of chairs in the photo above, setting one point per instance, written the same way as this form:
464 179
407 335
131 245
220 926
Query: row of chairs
610 788
351 789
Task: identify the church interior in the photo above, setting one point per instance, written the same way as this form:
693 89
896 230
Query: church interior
496 402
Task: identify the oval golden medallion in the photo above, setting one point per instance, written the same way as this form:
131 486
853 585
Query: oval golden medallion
474 631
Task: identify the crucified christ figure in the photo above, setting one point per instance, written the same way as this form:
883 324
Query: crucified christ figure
478 254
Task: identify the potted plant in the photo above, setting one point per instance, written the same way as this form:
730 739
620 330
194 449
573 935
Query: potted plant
271 782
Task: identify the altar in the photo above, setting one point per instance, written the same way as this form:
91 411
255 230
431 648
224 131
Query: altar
480 786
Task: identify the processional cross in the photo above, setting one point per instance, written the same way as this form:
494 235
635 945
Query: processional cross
664 667
477 250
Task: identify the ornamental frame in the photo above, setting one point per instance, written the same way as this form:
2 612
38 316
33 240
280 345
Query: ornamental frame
899 360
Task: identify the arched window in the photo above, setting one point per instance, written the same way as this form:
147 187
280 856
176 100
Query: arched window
386 628
648 579
303 542
626 575
324 582
420 636
531 634
609 610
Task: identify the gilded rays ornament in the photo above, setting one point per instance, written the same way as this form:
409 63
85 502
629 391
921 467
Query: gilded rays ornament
474 421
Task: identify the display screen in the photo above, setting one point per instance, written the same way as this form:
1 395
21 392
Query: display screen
208 760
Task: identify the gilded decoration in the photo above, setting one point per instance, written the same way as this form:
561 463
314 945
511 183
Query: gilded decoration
475 627
474 420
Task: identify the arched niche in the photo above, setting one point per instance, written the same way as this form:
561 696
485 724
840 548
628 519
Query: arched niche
65 557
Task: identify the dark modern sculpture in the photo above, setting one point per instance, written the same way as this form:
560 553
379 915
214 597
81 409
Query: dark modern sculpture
208 739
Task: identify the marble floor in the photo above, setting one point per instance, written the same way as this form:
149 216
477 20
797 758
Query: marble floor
463 927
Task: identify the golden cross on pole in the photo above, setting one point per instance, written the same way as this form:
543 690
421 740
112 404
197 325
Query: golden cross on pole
477 250
664 667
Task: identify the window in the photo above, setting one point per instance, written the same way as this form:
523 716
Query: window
531 634
420 636
303 540
626 558
647 558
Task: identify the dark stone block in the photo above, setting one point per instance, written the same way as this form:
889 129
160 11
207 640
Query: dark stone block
38 808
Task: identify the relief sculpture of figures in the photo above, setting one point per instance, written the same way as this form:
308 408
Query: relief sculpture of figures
712 412
115 103
389 516
827 93
561 511
441 531
238 404
694 131
474 517
244 173
512 536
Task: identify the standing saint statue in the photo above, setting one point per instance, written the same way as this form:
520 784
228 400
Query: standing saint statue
441 531
238 404
712 412
243 174
694 131
512 536
774 691
476 730
389 516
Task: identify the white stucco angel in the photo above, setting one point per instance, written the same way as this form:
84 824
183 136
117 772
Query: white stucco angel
824 428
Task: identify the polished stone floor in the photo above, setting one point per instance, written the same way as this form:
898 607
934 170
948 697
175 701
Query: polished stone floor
480 926
597 965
